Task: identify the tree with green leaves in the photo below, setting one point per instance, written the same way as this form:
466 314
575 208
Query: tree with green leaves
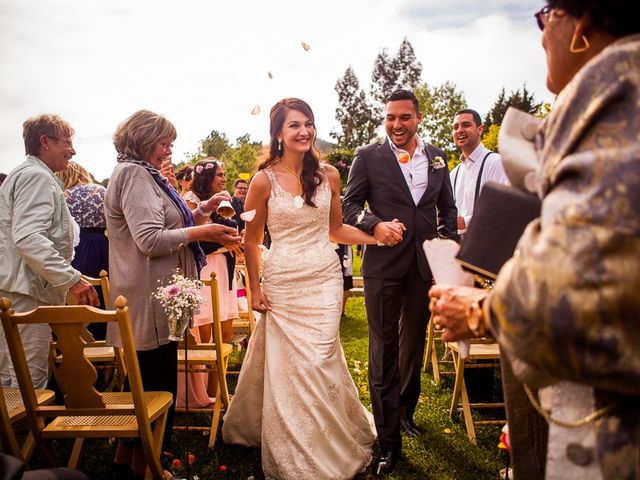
241 158
213 145
438 106
354 113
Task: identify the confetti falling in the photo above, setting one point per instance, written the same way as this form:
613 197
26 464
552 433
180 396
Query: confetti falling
306 46
256 110
270 75
248 216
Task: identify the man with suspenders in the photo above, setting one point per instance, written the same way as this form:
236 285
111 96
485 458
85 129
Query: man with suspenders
477 166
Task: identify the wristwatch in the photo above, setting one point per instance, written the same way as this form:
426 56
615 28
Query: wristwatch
475 318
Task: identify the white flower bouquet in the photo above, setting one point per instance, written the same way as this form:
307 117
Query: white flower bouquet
181 298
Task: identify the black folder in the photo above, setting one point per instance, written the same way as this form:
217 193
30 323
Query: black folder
500 216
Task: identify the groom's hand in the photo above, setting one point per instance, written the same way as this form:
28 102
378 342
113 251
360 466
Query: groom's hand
389 233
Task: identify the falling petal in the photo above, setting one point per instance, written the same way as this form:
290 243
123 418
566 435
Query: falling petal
248 216
244 176
270 74
361 216
256 110
447 430
306 46
298 201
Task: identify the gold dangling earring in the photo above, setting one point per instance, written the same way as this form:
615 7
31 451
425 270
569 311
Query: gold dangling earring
574 49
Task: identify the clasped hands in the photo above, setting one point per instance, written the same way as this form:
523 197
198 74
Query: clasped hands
451 308
389 233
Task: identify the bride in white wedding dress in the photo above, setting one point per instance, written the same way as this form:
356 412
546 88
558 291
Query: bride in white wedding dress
295 397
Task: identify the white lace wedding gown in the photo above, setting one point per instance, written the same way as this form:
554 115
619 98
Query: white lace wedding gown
295 397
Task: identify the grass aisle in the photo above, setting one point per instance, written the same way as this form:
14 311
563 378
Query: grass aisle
443 452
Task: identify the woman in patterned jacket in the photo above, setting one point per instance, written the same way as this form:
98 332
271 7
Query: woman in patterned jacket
565 309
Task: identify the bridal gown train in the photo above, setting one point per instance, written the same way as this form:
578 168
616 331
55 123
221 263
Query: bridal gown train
295 397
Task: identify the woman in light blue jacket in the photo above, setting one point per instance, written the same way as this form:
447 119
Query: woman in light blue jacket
36 241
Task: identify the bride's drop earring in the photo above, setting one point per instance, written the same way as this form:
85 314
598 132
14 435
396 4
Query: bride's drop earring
280 149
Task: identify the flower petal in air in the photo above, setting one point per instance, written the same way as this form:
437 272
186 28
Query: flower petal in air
248 216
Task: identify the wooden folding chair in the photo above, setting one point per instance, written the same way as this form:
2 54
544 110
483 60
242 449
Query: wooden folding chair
208 357
87 413
12 410
97 351
480 349
245 323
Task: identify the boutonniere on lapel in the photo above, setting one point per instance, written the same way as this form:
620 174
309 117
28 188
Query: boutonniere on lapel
403 157
437 162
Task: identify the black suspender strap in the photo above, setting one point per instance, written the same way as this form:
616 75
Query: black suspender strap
475 197
455 179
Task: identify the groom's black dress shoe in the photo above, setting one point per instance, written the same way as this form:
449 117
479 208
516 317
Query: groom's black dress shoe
409 428
387 462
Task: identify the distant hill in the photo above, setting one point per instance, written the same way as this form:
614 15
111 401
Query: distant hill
324 147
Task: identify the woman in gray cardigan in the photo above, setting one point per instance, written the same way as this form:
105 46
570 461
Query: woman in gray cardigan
147 222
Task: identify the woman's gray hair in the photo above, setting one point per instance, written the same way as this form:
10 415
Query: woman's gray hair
138 134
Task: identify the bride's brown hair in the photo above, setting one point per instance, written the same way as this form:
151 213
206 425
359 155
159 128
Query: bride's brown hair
310 176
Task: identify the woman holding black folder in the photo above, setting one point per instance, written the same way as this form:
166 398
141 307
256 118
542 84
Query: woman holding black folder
565 309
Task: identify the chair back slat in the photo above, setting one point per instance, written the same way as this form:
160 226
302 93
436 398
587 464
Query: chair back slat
74 373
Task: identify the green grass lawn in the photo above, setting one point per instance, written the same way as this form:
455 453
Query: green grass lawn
443 452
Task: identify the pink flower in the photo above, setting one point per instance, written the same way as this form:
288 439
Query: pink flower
171 291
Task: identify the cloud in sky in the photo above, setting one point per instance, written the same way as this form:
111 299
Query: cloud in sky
434 14
205 64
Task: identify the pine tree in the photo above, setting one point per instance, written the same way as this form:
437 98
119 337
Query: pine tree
354 113
390 74
407 66
524 101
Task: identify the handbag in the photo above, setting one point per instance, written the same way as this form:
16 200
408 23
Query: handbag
500 216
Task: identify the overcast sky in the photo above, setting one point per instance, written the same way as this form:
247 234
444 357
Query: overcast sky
204 63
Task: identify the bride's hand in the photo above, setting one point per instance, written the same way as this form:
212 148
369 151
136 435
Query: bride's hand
259 302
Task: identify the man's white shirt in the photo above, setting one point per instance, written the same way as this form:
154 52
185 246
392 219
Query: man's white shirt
416 170
464 177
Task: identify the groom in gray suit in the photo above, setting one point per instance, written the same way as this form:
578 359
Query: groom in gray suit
405 183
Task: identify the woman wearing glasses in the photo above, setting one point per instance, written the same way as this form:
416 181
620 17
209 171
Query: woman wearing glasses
147 222
565 309
36 241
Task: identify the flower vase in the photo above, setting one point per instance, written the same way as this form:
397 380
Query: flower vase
177 325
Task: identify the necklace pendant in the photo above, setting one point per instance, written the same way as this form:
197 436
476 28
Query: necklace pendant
298 201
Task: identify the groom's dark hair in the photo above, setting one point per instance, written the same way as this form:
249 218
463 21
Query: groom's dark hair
403 95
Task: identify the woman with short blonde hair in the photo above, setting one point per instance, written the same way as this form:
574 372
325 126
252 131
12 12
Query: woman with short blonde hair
75 174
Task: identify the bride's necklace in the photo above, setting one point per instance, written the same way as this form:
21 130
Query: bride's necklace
297 200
